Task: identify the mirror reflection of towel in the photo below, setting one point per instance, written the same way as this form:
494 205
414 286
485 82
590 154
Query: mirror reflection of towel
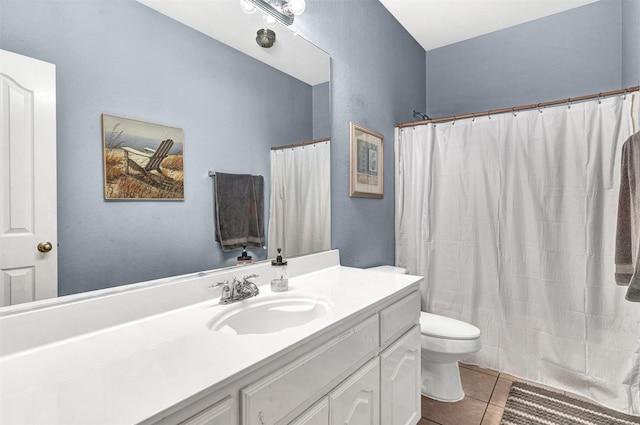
239 210
628 229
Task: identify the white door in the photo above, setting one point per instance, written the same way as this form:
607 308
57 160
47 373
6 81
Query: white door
28 210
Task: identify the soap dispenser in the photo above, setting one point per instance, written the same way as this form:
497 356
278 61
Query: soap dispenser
279 277
244 258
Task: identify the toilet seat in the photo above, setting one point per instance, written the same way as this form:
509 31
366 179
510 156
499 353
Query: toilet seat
436 326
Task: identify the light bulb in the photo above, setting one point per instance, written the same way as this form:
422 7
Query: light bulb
297 7
269 21
247 7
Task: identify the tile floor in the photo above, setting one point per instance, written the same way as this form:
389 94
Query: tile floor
486 393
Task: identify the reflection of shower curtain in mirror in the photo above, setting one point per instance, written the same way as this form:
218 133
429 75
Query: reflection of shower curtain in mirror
300 207
512 221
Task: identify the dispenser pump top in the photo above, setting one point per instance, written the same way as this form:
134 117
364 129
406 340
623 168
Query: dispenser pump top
279 261
245 258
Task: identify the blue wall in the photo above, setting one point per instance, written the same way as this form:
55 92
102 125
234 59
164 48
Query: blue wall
379 75
590 49
122 58
322 110
630 43
377 80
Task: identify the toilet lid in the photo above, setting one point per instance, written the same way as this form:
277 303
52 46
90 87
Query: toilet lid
438 326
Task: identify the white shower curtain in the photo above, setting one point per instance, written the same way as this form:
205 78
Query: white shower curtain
512 219
300 213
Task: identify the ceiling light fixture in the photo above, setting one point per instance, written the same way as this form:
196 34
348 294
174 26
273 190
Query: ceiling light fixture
266 38
282 10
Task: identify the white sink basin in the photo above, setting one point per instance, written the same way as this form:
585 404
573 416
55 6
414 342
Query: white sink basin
269 314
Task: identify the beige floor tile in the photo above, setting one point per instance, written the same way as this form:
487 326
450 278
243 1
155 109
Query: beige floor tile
468 411
480 369
493 415
424 421
509 377
501 392
476 384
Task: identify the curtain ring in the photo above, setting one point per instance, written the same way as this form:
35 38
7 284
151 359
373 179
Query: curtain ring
513 111
569 103
599 98
489 114
474 118
454 120
539 110
624 96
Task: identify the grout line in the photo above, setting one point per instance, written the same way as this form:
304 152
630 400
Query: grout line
486 407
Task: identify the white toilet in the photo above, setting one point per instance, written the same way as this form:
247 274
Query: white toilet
444 341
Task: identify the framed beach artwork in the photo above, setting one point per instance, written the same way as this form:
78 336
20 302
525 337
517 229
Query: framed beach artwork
366 170
142 160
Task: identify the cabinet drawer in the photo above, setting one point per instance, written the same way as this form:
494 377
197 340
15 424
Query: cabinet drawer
318 414
399 317
268 400
218 414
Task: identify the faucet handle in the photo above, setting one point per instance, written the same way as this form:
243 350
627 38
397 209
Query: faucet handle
215 285
226 296
250 288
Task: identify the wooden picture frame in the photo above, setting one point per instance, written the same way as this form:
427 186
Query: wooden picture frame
142 160
367 163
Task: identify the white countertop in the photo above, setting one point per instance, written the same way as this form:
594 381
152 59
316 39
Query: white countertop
129 372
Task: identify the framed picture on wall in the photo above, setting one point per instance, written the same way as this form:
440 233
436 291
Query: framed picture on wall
142 160
366 170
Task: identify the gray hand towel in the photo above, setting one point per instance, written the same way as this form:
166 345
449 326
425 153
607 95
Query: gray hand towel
239 210
628 228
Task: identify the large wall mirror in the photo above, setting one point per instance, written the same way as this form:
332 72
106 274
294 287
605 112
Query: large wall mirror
168 62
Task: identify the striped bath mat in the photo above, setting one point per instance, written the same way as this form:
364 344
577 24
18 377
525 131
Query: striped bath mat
529 405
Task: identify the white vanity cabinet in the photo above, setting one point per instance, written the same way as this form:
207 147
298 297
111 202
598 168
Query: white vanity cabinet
400 362
400 380
370 374
214 409
271 399
364 372
318 414
218 414
357 400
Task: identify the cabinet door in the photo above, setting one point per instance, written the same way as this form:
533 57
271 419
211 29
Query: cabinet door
218 414
357 400
318 414
269 400
400 380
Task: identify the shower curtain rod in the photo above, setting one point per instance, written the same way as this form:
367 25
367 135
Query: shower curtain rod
295 145
521 108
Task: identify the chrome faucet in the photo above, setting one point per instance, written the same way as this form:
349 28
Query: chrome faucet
237 290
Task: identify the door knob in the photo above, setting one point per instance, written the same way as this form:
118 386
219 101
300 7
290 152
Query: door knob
44 246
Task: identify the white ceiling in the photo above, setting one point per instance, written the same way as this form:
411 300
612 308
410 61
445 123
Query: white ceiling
437 23
433 23
224 21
